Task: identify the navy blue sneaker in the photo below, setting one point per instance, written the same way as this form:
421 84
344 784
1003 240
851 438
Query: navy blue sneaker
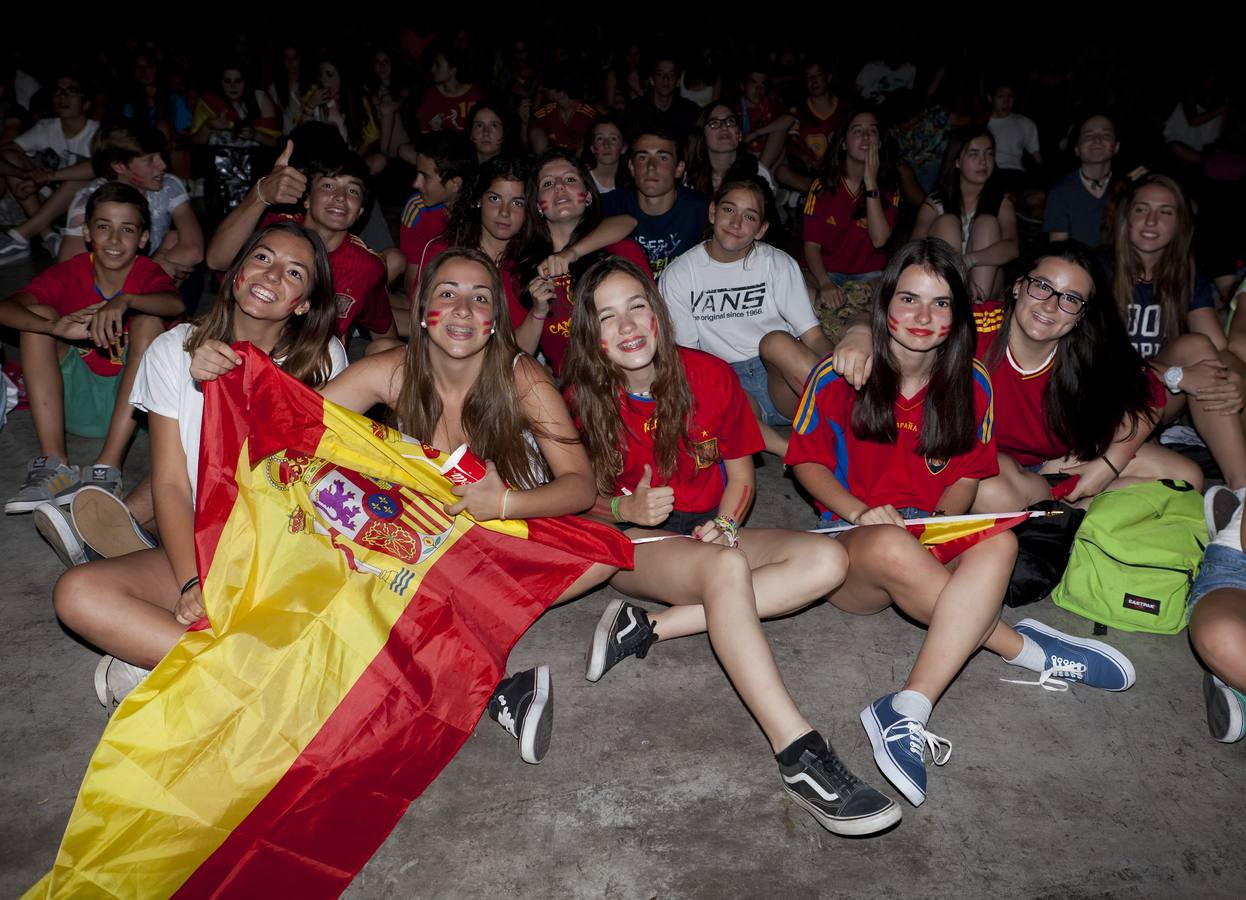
899 747
1079 660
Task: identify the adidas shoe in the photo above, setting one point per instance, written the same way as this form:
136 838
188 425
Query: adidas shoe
1226 717
114 680
523 704
900 745
49 479
841 802
105 524
58 530
1083 660
106 478
623 630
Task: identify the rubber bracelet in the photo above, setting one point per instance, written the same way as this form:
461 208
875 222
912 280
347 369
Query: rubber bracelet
539 318
260 193
506 493
1115 470
190 583
614 507
726 524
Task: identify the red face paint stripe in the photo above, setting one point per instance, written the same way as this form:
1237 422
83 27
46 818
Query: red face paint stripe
432 316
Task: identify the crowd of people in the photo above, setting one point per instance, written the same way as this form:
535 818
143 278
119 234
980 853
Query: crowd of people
928 288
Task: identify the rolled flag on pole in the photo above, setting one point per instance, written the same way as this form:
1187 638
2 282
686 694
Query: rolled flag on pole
947 537
355 634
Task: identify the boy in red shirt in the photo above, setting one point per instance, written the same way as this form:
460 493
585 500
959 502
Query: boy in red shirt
444 164
85 324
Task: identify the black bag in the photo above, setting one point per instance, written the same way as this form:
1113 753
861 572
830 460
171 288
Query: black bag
1043 547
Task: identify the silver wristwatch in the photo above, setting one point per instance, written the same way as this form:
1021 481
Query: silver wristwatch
1172 379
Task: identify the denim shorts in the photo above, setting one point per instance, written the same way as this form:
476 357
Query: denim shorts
842 278
906 512
752 373
1222 567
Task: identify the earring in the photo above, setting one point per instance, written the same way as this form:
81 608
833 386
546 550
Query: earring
423 323
492 331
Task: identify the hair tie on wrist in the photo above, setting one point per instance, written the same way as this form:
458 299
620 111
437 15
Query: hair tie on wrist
190 583
614 507
1115 470
506 493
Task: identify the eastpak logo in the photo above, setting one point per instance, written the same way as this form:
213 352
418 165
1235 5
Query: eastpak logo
1141 604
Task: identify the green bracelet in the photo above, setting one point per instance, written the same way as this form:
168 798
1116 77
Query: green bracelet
614 507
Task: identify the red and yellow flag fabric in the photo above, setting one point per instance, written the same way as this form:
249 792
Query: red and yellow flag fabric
356 634
947 537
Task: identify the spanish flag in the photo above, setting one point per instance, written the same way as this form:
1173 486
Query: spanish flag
356 633
947 537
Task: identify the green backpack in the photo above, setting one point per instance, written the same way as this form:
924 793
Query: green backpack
1135 556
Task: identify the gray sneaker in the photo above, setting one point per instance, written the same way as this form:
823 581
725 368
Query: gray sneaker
49 479
59 531
13 247
106 478
114 680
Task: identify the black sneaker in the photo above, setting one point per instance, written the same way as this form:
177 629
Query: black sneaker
523 704
840 801
623 630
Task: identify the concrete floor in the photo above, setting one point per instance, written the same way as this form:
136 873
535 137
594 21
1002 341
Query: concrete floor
660 785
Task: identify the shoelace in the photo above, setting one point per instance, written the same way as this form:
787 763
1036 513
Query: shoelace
920 740
1051 678
505 719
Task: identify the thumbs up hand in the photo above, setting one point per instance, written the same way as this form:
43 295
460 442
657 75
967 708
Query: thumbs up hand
647 505
284 184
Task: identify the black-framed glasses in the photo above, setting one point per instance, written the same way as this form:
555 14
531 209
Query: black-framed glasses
726 122
1040 290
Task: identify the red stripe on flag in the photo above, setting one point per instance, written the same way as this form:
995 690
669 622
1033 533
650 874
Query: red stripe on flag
949 550
433 510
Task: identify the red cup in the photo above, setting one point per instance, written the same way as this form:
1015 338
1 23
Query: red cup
463 466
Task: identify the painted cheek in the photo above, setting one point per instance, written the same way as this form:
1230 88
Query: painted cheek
432 316
893 324
294 304
581 196
605 346
944 330
239 283
487 323
542 205
653 326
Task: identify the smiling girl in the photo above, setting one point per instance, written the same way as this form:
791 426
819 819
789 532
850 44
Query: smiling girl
916 440
671 439
279 296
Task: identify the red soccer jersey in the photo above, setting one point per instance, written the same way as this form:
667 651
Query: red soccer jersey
557 332
450 112
360 283
845 241
815 133
568 135
69 286
877 473
1021 430
421 224
510 281
723 427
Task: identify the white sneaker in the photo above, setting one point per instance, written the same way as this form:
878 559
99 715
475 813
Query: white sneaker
114 680
58 530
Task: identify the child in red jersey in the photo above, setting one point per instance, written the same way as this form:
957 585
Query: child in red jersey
915 440
671 437
333 191
85 324
444 165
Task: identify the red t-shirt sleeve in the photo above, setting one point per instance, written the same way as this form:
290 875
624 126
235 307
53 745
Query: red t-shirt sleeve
148 278
61 286
820 413
814 228
376 315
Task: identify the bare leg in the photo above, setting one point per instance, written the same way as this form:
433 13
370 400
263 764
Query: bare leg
788 363
947 229
1223 434
984 281
141 505
1218 633
1012 489
50 210
689 572
123 605
143 330
41 355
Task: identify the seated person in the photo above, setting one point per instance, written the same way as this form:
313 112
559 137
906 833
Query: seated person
447 101
764 122
565 120
85 324
1075 203
55 155
136 158
444 164
670 218
336 195
1218 615
1016 137
745 302
236 112
662 107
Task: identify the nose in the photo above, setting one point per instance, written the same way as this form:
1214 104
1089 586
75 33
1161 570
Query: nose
924 314
419 182
1152 215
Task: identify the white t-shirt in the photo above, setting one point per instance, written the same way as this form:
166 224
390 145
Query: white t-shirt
727 308
877 79
47 134
1178 129
171 195
163 386
1013 134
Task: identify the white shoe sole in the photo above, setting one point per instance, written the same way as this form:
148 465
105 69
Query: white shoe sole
1228 727
893 773
538 721
101 683
880 821
57 531
1120 659
595 659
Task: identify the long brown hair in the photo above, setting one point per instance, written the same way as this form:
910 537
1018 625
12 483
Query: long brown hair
1173 277
597 388
493 418
303 346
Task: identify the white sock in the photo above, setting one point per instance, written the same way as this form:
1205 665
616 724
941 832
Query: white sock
912 705
1031 656
13 233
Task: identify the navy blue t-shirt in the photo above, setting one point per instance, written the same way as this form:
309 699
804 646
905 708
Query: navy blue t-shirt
1144 319
666 236
1074 210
